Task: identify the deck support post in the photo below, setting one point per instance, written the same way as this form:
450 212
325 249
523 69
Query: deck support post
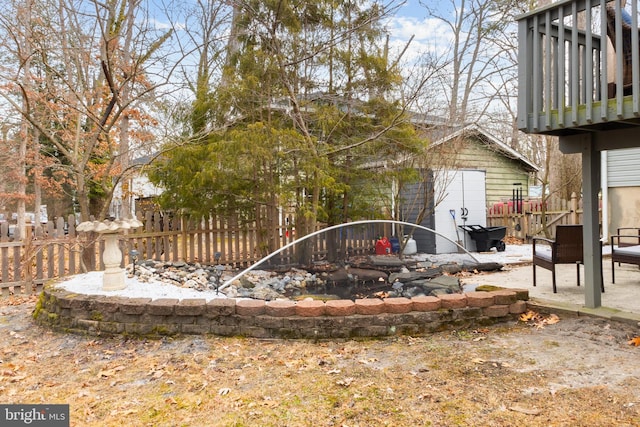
586 144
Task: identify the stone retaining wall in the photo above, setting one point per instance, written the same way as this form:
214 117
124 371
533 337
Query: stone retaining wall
106 315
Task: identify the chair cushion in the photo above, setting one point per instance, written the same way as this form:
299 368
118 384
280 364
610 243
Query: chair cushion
544 254
628 250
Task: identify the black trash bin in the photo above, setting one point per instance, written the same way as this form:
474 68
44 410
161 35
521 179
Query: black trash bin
486 237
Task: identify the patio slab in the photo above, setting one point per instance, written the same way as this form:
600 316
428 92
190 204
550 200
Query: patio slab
620 301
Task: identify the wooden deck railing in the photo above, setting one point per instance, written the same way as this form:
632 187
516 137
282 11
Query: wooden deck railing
579 67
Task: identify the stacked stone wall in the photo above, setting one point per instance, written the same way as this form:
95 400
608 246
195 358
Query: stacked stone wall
308 319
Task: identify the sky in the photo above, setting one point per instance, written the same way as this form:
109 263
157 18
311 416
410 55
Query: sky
428 33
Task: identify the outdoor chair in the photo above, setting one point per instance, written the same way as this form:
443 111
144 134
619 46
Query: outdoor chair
625 248
567 248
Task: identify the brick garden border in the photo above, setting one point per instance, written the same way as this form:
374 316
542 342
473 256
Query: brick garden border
308 319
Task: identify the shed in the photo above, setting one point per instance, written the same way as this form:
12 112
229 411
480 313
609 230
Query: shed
471 168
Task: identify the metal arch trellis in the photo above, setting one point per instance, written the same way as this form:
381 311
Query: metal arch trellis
333 227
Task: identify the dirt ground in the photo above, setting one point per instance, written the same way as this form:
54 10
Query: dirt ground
574 372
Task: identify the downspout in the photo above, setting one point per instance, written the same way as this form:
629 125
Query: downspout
604 188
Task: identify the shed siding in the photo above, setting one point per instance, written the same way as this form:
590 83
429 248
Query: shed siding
623 167
501 172
413 196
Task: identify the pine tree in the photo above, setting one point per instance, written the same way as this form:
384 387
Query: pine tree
302 120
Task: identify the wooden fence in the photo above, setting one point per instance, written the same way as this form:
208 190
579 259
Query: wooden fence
57 251
525 220
229 241
46 252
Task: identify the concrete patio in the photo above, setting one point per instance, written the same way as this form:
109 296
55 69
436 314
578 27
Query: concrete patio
619 302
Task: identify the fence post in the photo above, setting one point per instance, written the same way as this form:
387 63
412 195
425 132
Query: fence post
526 218
148 241
183 243
505 214
71 233
574 208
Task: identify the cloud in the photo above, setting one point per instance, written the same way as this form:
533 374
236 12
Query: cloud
429 34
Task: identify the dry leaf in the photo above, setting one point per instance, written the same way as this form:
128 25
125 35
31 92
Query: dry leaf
523 410
107 373
538 320
634 341
525 317
110 372
552 319
346 382
17 378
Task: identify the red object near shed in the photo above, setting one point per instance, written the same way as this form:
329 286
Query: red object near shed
383 246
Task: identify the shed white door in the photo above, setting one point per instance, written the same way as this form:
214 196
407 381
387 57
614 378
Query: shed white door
463 195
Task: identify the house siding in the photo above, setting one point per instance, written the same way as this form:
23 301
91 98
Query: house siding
624 208
623 177
622 167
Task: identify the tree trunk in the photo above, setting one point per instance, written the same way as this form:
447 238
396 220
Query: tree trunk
125 156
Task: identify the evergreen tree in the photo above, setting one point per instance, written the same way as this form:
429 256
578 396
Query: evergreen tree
302 119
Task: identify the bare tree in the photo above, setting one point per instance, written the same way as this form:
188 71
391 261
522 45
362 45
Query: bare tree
80 88
476 53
